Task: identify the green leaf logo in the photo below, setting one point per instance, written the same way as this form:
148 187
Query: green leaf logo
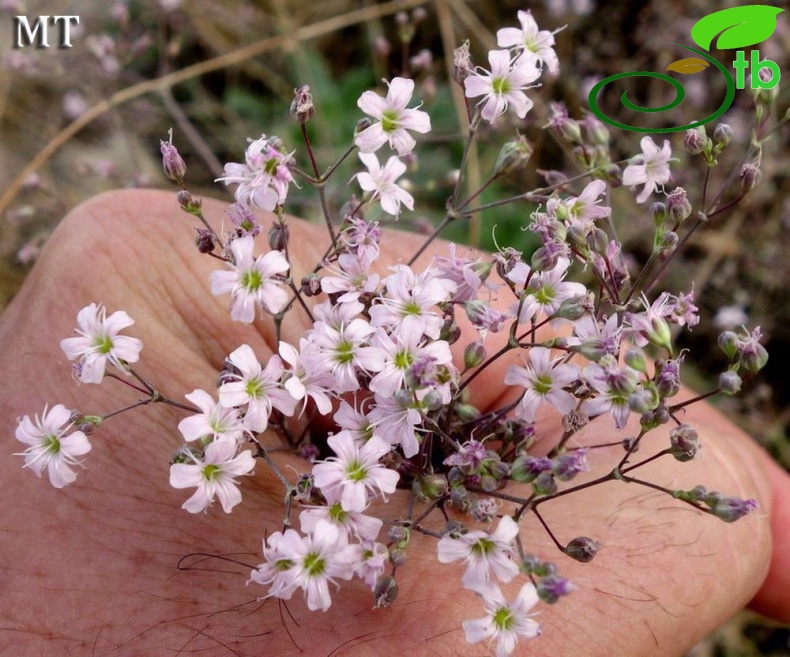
738 27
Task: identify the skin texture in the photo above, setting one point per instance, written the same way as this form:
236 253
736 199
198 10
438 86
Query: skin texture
92 569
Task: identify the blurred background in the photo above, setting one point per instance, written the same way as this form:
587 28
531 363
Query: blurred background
81 120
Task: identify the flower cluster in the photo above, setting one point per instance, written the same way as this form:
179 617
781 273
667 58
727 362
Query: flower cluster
386 363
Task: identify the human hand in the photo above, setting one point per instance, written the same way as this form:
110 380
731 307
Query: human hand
92 569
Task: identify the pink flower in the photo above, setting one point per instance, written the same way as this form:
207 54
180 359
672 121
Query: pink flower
259 388
354 470
50 446
393 119
251 281
503 86
309 563
213 474
100 344
213 421
534 42
352 280
381 183
264 177
543 380
355 523
483 553
650 168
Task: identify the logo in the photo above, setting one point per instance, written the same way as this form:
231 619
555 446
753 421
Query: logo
738 27
37 35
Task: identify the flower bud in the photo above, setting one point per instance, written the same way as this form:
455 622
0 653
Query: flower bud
363 124
188 203
544 259
474 354
385 592
310 285
644 400
574 308
678 205
728 342
513 156
278 236
526 468
635 359
397 557
658 210
433 486
750 176
668 241
594 130
544 484
567 466
552 588
730 382
204 240
567 129
173 164
722 134
730 509
695 140
484 510
302 108
450 331
582 549
685 443
613 174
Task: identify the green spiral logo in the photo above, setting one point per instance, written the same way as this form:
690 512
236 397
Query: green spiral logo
680 94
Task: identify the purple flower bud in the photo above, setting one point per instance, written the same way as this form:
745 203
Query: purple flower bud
450 331
204 240
730 509
594 130
667 379
658 210
172 162
752 355
723 134
695 140
568 465
552 588
484 510
678 205
397 557
582 549
544 484
685 443
750 176
526 468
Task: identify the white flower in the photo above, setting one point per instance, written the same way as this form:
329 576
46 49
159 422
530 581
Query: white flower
354 470
504 622
535 43
354 523
260 389
99 342
544 380
213 421
503 86
381 182
213 474
250 281
393 119
309 563
650 168
50 447
483 553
